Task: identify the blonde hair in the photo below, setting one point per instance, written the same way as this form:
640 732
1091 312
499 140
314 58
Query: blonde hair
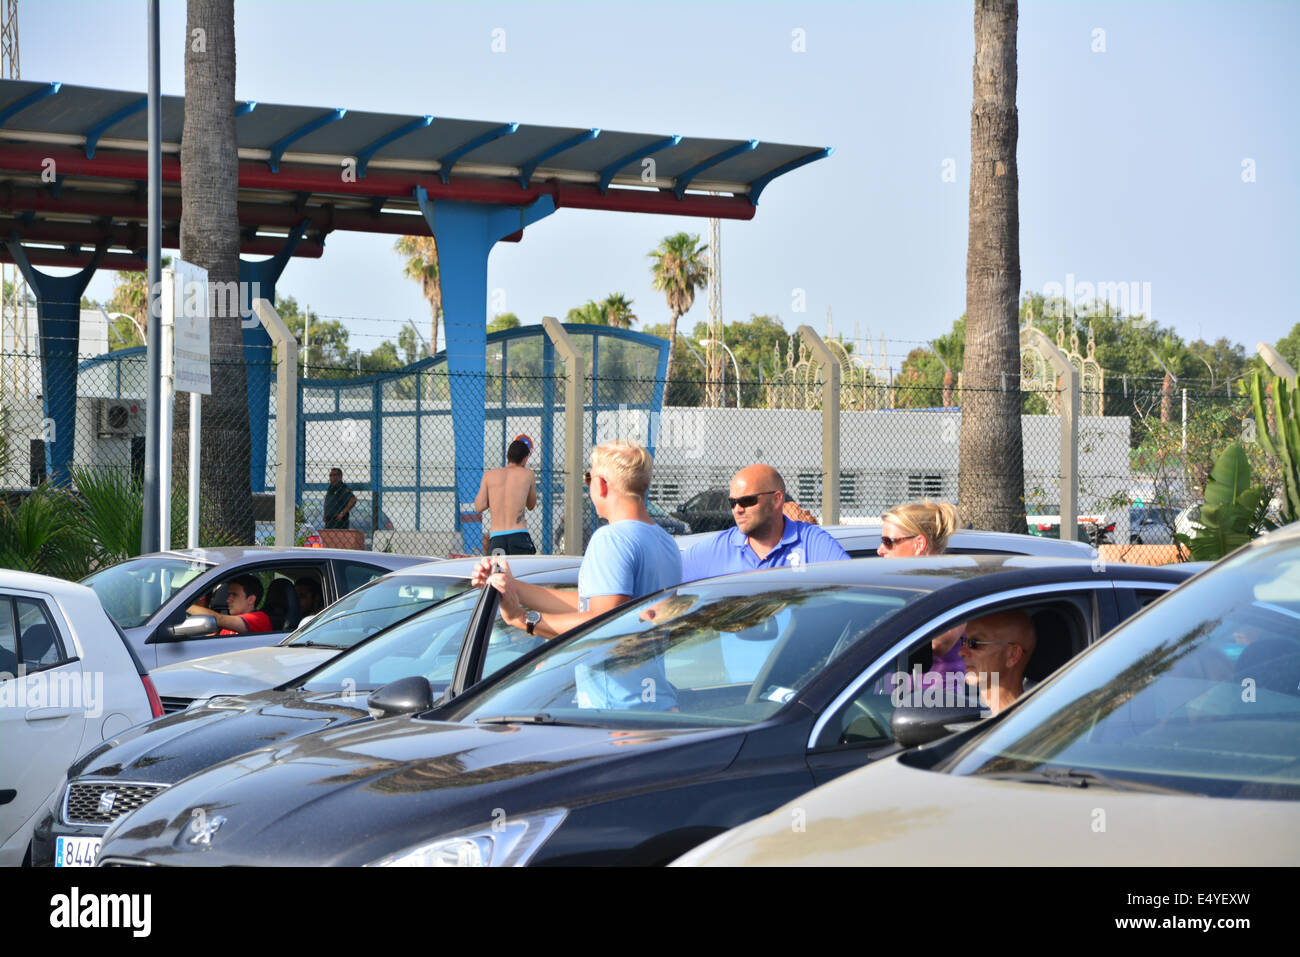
935 520
625 465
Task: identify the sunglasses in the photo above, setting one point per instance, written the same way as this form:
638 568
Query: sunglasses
748 501
587 477
974 644
891 542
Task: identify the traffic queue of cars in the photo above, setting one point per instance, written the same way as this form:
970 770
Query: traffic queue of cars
407 725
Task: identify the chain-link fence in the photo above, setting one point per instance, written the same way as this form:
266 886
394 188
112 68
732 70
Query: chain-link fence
1144 449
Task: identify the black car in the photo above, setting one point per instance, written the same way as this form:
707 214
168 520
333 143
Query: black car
631 740
709 511
449 646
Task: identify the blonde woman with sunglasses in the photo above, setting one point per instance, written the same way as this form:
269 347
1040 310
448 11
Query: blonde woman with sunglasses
911 531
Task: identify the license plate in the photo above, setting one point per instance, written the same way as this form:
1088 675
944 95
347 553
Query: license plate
76 851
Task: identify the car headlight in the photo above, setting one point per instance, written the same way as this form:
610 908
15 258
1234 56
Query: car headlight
510 842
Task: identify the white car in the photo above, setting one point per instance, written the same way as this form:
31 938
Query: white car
69 680
1174 741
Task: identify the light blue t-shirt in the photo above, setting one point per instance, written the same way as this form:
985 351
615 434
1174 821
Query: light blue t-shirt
634 559
628 558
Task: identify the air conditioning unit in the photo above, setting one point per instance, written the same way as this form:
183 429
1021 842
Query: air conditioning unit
120 418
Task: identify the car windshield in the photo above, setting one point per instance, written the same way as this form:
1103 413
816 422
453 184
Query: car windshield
1198 694
706 654
424 644
134 590
375 606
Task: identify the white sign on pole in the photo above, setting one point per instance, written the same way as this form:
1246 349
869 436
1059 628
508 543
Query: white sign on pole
193 352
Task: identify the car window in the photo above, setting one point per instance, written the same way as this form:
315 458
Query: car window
931 672
910 678
39 644
705 654
352 575
426 644
1201 694
374 607
132 591
8 640
506 643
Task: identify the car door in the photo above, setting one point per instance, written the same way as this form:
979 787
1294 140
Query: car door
42 706
853 729
169 650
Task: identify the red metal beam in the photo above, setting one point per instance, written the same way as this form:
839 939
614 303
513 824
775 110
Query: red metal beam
298 177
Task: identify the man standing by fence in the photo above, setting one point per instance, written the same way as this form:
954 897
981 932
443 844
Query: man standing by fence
507 492
339 501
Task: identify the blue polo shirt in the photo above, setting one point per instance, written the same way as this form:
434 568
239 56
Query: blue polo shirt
728 551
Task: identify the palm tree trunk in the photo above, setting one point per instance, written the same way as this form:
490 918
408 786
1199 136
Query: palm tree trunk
1166 398
947 388
210 238
672 348
991 481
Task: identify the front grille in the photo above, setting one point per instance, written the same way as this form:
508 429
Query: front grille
85 802
172 705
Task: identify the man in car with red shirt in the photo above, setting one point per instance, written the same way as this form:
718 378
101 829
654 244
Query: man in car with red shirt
242 595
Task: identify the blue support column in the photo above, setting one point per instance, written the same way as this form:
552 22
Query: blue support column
466 233
58 312
548 444
259 280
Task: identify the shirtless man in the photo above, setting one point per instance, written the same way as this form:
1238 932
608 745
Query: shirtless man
506 493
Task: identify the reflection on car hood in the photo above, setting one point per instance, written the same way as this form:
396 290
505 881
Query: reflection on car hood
890 813
238 672
177 745
358 794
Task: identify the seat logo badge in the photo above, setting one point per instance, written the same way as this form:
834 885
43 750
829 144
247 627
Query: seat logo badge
204 827
106 802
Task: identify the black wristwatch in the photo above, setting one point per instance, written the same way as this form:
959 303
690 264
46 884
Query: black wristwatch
531 619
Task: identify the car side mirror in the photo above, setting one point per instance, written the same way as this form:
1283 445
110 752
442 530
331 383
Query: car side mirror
306 619
403 696
193 626
916 726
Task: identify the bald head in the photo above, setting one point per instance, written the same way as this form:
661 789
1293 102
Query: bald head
1010 641
764 486
758 478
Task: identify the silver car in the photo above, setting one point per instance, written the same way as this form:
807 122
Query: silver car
149 596
1173 741
68 682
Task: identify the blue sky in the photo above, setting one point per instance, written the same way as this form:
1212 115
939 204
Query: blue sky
1130 158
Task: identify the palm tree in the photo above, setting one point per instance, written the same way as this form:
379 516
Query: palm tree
210 238
949 348
680 267
1170 355
991 480
421 254
618 311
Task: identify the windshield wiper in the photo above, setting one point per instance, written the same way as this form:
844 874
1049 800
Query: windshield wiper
317 644
1079 778
542 718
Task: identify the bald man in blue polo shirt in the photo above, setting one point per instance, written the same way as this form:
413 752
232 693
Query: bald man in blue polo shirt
763 537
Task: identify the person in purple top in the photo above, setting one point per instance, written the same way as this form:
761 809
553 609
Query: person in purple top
764 537
913 530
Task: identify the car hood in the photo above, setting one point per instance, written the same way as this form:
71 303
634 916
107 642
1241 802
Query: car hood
238 672
354 796
175 746
893 814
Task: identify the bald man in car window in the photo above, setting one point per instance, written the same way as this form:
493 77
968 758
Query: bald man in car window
996 650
